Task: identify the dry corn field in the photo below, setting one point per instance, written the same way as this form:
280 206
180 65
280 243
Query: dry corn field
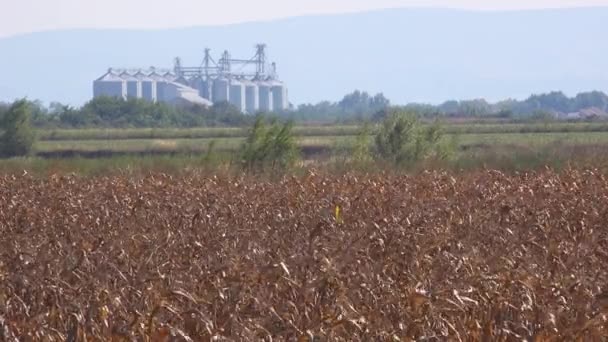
432 257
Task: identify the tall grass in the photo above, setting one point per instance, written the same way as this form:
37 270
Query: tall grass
172 164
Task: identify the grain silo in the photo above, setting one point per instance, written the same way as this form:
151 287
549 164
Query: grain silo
221 90
110 85
279 96
160 82
237 96
133 85
148 86
252 97
265 94
203 86
206 89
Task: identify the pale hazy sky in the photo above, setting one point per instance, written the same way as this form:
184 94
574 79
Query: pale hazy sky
22 16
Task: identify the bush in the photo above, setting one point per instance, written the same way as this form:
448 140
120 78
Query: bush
362 154
18 136
269 146
402 140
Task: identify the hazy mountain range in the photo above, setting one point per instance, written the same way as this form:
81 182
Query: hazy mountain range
412 55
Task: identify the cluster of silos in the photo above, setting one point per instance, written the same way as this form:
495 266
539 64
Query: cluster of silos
248 95
125 84
151 85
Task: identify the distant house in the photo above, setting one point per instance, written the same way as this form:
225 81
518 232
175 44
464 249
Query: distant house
593 112
584 114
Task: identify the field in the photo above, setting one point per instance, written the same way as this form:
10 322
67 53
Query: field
311 130
314 138
479 256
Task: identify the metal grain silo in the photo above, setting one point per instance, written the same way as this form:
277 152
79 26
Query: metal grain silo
279 96
110 85
148 86
133 85
160 84
203 87
196 83
169 76
237 96
265 96
163 93
206 89
252 97
221 90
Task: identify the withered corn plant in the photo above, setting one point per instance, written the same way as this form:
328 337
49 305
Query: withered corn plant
431 257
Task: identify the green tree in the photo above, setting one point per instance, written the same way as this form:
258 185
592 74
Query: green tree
18 136
402 140
269 146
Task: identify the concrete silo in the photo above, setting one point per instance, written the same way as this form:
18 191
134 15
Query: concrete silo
265 96
252 97
237 96
110 85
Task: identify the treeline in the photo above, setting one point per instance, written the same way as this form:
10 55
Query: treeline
361 106
534 106
356 107
135 113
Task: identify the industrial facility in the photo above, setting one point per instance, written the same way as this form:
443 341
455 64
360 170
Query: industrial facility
248 84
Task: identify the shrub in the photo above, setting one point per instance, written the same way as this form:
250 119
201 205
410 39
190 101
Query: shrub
402 140
269 146
18 136
362 154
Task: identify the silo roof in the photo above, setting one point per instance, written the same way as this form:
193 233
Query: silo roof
140 75
156 76
127 76
110 76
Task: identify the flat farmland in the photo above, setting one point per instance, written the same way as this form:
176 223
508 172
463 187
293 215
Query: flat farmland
434 256
325 130
321 142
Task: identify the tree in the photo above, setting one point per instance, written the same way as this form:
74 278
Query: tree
3 109
18 136
591 99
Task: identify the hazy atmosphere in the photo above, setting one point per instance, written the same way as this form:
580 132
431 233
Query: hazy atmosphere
311 170
411 55
38 15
